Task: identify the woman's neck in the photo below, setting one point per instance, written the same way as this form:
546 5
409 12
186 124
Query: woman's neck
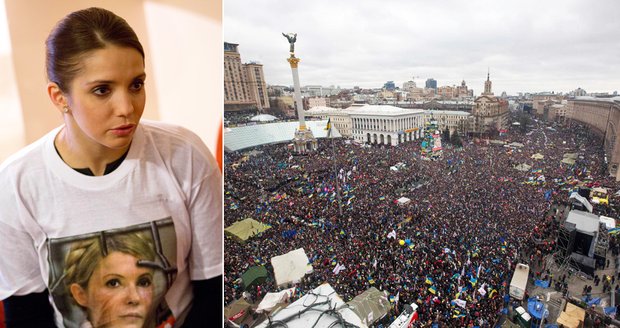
92 156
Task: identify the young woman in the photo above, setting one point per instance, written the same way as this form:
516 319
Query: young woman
106 170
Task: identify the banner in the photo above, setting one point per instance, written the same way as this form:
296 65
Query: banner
392 234
338 268
460 303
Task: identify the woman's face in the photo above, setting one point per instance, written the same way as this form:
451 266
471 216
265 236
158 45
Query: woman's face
119 293
106 98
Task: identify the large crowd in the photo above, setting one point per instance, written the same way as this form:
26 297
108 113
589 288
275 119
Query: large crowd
471 219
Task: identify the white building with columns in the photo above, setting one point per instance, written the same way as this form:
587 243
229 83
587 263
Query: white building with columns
386 125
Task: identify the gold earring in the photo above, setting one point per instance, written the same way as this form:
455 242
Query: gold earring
66 109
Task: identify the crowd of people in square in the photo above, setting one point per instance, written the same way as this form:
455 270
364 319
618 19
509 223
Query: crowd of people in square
451 250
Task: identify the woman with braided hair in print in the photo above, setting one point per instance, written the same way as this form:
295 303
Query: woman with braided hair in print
113 289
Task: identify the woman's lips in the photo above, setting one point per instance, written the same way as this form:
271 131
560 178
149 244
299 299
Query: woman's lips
123 130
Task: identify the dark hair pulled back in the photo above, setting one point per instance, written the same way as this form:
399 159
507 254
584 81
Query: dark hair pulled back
77 34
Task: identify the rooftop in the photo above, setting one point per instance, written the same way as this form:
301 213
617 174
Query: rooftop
609 99
382 110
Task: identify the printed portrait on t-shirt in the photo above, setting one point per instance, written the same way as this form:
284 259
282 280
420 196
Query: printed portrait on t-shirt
114 278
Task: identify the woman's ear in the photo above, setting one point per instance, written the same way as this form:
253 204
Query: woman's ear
79 295
57 96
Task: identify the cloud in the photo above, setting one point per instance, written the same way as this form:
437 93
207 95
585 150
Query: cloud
528 45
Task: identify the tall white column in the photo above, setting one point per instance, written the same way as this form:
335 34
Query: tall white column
294 61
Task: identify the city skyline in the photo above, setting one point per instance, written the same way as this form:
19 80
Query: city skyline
528 46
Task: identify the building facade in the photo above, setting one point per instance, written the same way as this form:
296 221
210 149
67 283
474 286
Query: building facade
339 118
407 86
542 100
454 92
602 116
489 112
431 84
463 91
389 85
454 121
245 88
257 85
318 102
555 112
386 125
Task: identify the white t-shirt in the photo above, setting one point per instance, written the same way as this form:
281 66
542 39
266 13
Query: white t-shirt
168 190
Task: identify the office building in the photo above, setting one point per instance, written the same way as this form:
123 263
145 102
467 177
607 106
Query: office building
245 88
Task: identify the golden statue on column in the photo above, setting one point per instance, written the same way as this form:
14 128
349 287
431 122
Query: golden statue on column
304 140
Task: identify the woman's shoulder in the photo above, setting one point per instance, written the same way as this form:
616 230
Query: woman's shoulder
29 157
175 140
171 132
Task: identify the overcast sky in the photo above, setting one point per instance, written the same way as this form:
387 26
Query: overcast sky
528 45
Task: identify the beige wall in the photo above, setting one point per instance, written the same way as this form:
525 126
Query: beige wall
186 50
182 41
11 127
603 118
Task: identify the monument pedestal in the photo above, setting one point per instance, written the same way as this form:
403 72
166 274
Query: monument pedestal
304 141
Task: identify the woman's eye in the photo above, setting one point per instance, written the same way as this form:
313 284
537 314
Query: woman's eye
144 282
101 90
113 283
137 85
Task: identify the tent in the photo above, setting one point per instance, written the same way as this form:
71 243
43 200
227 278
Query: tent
523 167
569 158
370 305
610 223
290 267
321 299
271 300
571 155
254 276
536 308
538 156
243 230
403 201
572 317
568 161
237 311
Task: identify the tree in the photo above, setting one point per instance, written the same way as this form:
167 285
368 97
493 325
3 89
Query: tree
456 140
524 121
446 135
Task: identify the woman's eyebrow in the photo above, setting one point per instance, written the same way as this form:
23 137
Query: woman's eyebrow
104 81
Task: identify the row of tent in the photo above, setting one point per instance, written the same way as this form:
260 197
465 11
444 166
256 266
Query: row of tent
568 158
362 311
288 268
